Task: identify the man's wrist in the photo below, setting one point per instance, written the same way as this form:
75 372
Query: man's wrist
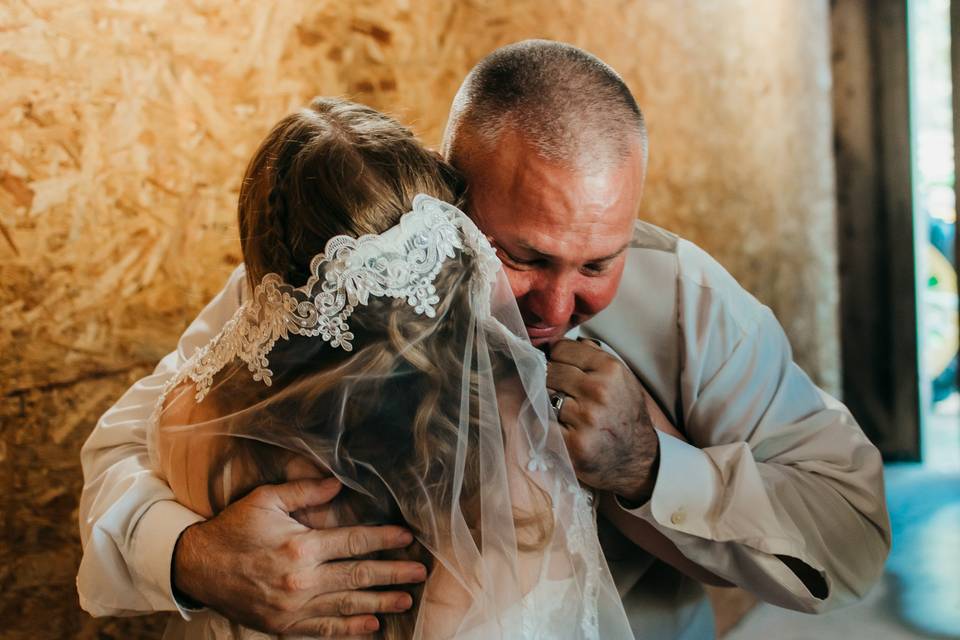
178 563
638 495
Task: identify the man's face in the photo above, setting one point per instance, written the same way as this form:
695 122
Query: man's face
560 232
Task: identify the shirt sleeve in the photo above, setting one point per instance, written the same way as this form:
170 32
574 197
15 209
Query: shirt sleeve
779 490
129 520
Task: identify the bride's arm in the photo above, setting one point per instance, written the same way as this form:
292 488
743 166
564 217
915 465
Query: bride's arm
129 521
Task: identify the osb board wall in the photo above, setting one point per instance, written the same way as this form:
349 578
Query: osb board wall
125 127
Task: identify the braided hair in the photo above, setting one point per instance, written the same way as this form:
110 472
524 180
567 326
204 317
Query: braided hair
334 167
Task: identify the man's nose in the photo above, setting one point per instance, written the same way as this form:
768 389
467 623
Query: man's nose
553 300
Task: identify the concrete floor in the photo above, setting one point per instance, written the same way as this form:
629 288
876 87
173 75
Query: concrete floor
919 594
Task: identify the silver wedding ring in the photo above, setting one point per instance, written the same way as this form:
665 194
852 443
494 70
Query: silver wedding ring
556 401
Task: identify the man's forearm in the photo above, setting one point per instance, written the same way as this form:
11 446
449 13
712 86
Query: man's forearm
741 519
129 522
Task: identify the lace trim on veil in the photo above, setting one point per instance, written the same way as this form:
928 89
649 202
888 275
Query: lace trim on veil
401 263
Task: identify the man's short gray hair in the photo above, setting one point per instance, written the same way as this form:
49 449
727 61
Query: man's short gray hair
569 105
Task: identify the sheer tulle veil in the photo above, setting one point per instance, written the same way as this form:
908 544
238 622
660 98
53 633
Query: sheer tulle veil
402 367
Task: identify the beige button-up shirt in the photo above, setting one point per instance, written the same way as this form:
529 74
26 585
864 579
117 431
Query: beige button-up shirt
775 467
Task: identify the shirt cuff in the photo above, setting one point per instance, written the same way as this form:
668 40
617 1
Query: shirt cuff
152 551
686 488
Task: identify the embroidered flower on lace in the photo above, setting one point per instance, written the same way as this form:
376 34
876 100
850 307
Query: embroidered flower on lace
401 263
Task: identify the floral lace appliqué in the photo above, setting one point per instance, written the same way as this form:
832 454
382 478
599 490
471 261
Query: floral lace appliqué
401 263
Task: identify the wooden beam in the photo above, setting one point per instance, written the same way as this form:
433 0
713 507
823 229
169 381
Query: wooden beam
875 222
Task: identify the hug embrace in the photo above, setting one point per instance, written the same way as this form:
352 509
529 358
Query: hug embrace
470 395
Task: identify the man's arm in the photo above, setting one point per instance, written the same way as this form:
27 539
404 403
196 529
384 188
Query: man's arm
779 491
129 520
592 381
137 538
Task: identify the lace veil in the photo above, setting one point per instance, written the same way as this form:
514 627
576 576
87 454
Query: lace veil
402 367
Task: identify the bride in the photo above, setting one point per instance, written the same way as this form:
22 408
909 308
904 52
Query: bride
380 343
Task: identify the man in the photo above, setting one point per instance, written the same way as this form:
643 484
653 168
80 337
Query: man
771 486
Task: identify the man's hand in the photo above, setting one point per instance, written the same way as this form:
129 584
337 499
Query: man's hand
259 566
607 425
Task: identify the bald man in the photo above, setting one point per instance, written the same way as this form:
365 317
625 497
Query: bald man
717 457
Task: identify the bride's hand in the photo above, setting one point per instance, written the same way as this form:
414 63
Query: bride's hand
258 566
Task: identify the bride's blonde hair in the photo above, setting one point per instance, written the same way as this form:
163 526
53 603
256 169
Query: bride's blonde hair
337 167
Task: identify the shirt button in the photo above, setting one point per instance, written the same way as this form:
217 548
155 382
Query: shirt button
678 517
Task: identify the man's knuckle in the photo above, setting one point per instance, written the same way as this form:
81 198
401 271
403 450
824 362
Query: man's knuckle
292 583
587 415
295 549
356 542
360 575
595 391
326 628
603 395
345 605
608 364
261 493
299 492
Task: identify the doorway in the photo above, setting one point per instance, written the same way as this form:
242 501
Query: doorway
934 208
